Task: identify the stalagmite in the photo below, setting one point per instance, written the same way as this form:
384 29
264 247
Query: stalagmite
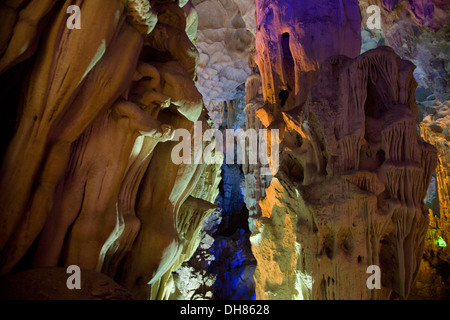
287 53
353 172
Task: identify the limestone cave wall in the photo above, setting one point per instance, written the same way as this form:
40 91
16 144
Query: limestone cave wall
91 115
354 171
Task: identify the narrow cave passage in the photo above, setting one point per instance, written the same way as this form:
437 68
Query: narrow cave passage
234 263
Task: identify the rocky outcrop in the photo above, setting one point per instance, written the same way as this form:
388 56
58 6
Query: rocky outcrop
432 14
353 171
435 130
256 181
193 280
81 178
225 36
350 189
288 50
89 115
418 32
49 283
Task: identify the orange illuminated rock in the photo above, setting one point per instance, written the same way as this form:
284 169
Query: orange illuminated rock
87 178
350 190
435 130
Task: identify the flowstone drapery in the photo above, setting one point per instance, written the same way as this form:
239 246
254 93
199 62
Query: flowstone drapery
353 170
87 178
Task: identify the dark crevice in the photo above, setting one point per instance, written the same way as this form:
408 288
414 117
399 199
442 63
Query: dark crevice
283 96
288 68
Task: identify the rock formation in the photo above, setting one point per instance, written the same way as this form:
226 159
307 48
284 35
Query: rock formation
418 32
224 39
435 130
91 114
225 35
353 174
87 178
255 181
291 41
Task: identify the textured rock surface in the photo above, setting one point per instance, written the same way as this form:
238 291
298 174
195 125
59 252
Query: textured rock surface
50 284
81 178
371 39
255 182
430 284
432 14
287 44
234 263
352 180
418 31
435 130
193 281
225 36
225 39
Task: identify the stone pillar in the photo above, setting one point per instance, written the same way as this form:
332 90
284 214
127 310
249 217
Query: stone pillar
353 171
